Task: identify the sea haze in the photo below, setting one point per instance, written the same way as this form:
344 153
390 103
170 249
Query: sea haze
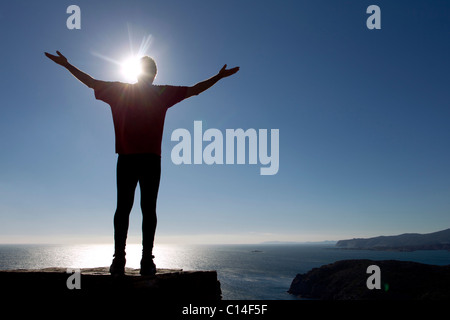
246 272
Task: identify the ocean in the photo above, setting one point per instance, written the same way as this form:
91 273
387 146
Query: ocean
246 272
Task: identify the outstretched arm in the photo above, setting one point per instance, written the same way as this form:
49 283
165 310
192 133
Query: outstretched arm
77 73
204 85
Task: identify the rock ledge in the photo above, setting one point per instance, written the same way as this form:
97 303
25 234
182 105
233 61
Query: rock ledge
51 283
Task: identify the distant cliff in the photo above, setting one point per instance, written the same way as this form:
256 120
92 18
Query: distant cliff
405 242
400 280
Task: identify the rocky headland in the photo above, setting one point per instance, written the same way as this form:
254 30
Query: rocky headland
405 242
400 280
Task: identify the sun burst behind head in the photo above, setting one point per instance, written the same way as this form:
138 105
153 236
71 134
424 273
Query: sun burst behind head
131 68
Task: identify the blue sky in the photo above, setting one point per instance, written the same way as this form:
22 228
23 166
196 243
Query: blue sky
363 116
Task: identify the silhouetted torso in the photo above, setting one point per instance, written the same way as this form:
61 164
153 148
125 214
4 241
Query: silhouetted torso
138 113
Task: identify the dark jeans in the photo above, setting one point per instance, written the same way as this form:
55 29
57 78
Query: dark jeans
131 169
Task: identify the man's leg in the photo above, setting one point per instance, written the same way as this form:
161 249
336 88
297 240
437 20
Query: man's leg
150 173
126 185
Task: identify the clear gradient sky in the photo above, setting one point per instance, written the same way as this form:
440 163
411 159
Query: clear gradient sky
364 118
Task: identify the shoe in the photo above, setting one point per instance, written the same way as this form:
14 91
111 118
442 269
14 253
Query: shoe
148 267
117 267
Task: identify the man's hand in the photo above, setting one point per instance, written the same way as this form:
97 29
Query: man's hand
224 72
77 73
59 59
204 85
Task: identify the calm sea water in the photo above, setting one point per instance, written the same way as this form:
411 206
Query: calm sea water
246 272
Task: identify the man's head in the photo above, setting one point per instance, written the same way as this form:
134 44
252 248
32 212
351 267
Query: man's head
149 70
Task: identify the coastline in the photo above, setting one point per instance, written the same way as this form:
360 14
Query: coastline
243 274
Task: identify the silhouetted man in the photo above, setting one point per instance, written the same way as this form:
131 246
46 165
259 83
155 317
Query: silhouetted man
138 113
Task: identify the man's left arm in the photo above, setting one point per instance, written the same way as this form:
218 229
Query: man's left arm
206 84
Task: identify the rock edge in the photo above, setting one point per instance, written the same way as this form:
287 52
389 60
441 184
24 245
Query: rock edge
51 283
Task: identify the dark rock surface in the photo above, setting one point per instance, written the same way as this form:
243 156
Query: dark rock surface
405 242
400 280
51 283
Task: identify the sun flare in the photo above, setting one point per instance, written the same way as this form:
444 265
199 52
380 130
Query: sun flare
131 68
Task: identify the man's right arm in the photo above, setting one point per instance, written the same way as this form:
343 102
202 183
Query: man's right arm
77 73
